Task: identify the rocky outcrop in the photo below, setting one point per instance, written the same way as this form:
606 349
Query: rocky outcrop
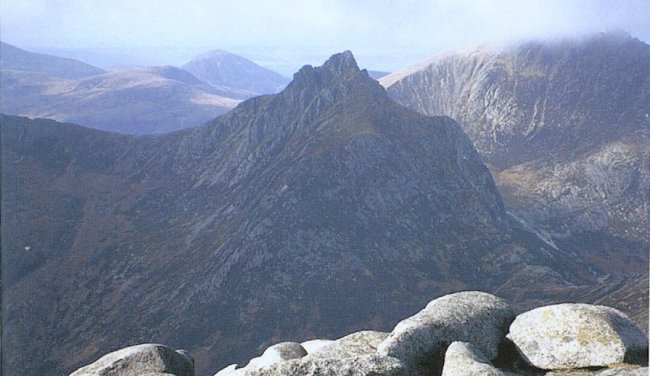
577 336
477 317
621 370
315 344
365 365
147 359
356 344
278 353
355 352
464 359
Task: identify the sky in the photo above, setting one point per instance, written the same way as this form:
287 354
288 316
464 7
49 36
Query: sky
382 33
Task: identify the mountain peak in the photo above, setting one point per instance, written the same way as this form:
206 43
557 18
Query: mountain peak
222 68
341 63
339 67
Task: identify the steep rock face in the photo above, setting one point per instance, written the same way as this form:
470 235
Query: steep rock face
564 127
522 103
307 214
225 69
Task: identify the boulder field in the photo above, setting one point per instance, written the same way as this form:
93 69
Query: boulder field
465 333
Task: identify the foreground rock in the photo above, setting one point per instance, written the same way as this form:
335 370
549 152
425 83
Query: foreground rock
356 344
455 335
471 316
354 354
622 370
576 336
147 359
278 353
366 365
315 344
464 359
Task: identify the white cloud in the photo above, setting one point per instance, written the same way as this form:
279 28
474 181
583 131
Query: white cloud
415 27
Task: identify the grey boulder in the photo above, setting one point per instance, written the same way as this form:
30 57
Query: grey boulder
470 316
566 336
356 344
464 359
277 353
139 360
366 365
315 344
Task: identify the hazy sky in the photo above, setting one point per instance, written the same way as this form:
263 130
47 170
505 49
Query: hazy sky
367 27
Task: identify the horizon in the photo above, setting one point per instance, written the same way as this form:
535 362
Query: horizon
284 35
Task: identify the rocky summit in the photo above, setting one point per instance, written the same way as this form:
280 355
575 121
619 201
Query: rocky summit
460 349
319 211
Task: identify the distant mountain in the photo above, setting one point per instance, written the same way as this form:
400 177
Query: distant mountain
564 127
319 210
131 100
13 58
225 69
377 74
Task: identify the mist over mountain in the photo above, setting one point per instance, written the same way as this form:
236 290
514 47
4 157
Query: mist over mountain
319 210
564 127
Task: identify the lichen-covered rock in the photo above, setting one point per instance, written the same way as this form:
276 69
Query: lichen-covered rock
145 359
315 344
464 359
577 335
622 370
278 353
471 316
366 365
360 343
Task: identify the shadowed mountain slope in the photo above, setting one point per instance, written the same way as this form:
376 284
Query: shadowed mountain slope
322 209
